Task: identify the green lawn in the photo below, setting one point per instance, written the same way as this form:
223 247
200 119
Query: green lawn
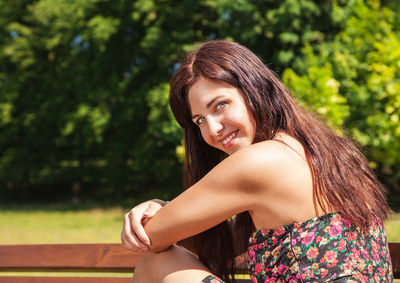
46 225
31 226
393 228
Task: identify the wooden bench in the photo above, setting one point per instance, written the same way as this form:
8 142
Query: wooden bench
79 260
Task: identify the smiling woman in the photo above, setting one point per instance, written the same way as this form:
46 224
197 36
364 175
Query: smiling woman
221 114
262 176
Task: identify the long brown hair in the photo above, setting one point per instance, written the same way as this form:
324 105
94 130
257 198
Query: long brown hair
342 178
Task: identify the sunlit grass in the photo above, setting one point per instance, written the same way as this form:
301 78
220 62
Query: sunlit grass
97 225
392 227
46 226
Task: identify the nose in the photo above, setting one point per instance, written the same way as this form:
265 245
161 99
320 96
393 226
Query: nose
215 127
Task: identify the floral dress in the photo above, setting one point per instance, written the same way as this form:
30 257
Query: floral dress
325 248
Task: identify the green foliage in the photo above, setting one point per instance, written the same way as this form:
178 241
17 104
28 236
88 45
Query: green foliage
364 57
319 90
84 84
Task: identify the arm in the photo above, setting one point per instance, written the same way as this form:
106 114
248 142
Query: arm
231 187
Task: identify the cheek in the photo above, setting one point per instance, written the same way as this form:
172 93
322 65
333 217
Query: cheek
251 124
206 137
246 119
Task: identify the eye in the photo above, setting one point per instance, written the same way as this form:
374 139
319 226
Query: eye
200 121
220 105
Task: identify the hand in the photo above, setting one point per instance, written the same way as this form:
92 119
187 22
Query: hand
133 235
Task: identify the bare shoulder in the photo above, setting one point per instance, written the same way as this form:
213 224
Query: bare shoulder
264 163
284 150
278 176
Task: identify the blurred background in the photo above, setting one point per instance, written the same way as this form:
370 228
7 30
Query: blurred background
85 127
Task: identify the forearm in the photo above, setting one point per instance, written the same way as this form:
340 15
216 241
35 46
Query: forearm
185 217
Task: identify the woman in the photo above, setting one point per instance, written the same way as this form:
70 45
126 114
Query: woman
307 207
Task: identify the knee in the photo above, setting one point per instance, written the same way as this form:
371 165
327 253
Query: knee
154 267
151 260
143 268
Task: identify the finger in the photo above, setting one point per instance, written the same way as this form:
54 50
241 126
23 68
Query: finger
152 209
145 220
140 233
130 236
134 232
128 246
149 213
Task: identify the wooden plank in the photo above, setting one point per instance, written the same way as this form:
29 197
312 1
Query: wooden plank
394 249
93 257
67 256
76 280
70 257
34 279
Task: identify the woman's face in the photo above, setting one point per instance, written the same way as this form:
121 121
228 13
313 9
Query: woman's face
218 109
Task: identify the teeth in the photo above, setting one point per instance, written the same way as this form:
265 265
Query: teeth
228 139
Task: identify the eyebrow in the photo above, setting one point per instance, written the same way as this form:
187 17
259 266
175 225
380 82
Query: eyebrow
208 104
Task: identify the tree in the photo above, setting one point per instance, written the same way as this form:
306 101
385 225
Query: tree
359 75
84 84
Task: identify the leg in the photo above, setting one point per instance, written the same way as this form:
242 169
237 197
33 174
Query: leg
175 264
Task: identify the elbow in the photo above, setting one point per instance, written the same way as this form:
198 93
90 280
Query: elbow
160 237
154 247
157 243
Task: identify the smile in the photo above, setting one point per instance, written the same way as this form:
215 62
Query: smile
227 139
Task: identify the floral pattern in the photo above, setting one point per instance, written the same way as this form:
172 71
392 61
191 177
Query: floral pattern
326 248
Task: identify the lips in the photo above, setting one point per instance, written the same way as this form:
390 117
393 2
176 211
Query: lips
226 139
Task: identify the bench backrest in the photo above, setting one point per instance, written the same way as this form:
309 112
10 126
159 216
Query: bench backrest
77 259
86 258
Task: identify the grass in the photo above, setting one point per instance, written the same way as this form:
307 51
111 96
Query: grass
392 227
43 225
40 225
